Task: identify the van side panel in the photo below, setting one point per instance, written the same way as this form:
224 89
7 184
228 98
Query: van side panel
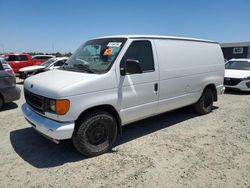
186 67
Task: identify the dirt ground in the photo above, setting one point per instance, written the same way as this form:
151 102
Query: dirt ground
176 149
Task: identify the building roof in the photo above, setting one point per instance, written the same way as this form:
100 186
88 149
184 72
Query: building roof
235 44
157 37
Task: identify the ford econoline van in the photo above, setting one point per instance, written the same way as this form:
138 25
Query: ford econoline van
112 81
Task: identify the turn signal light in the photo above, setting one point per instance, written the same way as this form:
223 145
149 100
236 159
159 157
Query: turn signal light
62 106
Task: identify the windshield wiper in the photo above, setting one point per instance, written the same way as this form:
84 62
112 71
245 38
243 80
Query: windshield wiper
83 67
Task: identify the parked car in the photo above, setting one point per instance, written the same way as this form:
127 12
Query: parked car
18 61
39 59
237 74
53 63
112 81
8 90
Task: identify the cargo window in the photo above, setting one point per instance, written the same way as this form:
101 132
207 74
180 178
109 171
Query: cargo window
23 58
17 58
141 51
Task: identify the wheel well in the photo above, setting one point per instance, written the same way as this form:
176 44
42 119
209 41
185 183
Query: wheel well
108 108
1 96
214 90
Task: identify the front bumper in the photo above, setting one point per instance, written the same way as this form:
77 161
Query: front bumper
243 86
48 127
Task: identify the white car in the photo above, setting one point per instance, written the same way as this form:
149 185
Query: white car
237 74
53 63
113 81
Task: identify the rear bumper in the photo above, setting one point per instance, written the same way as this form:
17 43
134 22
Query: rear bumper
48 127
11 94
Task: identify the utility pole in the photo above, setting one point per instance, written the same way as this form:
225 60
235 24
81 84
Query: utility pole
53 50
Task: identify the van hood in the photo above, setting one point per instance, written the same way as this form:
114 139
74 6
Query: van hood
62 84
231 73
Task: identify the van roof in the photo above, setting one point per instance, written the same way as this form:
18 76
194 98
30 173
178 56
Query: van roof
157 37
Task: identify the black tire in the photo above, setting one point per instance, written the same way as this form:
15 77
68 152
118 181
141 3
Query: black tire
95 134
1 102
205 103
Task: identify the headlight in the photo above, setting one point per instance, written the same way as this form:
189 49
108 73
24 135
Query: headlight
52 105
59 106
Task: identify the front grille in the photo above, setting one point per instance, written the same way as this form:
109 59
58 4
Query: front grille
232 81
248 84
35 101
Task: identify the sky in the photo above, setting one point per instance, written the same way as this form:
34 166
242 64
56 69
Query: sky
63 25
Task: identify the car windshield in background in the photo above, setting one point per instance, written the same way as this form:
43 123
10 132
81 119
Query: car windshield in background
48 63
95 56
238 65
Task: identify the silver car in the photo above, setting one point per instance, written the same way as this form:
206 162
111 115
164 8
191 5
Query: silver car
8 90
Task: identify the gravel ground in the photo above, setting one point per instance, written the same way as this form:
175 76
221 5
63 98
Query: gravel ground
176 149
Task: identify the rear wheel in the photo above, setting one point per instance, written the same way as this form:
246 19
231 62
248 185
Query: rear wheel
96 133
205 103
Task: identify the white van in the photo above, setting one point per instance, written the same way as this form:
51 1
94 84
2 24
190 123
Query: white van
112 81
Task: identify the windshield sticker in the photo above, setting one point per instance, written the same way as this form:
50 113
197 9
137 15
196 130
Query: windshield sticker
114 44
108 52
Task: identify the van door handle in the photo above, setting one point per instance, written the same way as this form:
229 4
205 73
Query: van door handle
156 88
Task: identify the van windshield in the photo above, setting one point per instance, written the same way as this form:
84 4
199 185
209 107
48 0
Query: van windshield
95 56
238 65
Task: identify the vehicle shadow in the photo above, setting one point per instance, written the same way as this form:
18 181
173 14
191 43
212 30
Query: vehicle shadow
9 106
42 153
236 92
156 123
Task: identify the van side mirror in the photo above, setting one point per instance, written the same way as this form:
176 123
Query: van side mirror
132 66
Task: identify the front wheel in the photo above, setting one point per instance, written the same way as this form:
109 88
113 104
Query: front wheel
205 103
96 133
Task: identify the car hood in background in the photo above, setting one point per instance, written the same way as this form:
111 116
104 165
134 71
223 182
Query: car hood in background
31 68
231 73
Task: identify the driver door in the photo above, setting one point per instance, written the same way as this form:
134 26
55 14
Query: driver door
138 93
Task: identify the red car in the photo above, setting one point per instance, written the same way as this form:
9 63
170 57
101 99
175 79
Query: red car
18 61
